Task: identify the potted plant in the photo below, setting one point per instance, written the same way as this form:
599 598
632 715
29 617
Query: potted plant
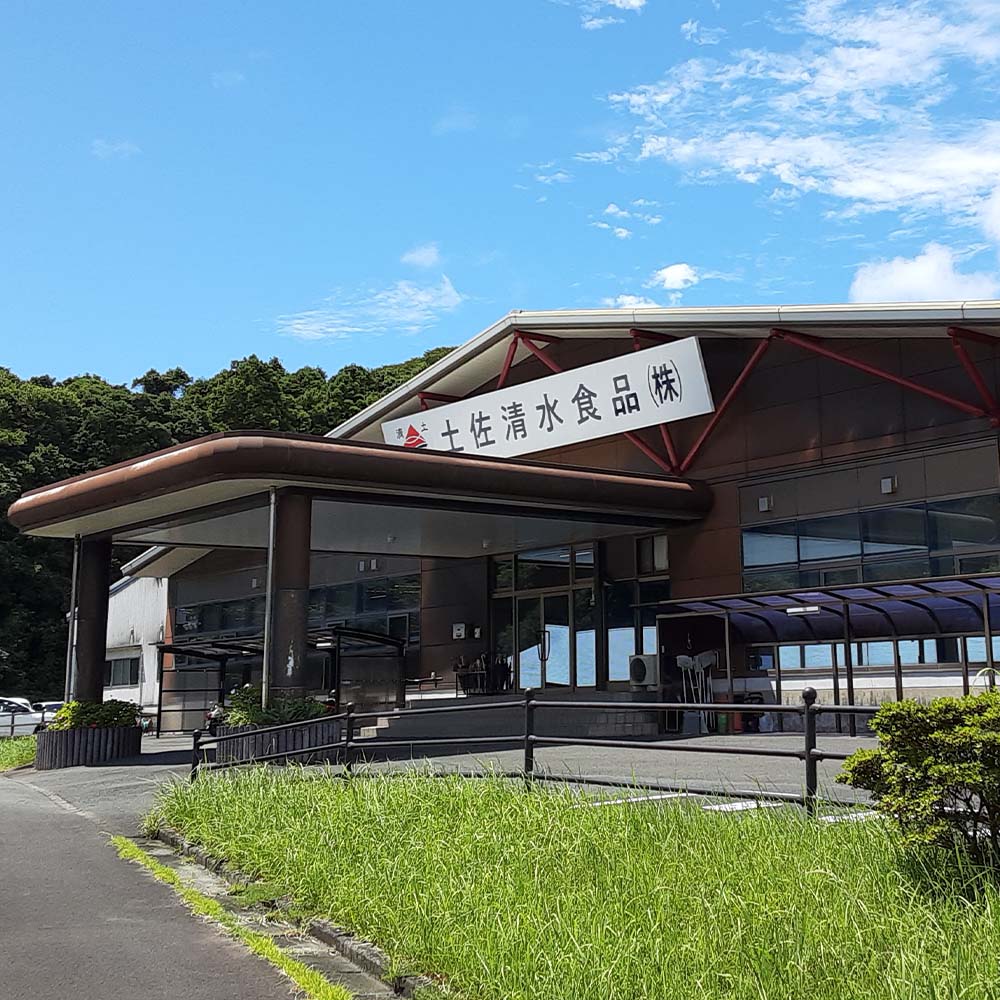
84 732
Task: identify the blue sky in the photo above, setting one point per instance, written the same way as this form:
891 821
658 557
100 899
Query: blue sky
338 182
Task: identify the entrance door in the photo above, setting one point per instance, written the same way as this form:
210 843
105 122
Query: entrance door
543 641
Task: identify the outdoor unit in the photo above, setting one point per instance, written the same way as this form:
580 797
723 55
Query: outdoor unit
644 670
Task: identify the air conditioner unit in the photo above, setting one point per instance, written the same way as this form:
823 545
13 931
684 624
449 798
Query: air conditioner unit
644 670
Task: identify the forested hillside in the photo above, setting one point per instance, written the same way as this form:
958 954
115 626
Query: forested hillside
50 430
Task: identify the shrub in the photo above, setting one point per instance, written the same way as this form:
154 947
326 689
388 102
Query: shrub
95 714
937 771
245 709
17 751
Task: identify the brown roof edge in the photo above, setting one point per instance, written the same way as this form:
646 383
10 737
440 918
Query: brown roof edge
332 462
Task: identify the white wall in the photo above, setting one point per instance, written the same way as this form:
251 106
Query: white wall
137 614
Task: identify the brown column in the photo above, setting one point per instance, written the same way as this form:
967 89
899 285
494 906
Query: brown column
290 596
92 618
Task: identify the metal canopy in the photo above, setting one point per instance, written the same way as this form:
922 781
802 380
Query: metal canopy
224 648
904 608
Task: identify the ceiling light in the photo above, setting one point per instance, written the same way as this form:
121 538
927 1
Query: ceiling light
805 609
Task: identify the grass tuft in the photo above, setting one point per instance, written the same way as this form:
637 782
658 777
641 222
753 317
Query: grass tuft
16 752
513 894
311 982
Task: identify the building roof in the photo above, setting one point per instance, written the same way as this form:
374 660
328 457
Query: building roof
482 358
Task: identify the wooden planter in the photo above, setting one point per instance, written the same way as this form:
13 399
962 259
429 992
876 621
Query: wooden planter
253 745
82 747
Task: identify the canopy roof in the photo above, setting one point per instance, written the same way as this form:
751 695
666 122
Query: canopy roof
212 493
903 608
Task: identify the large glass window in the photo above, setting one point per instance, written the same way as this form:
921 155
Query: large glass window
529 637
973 522
121 672
650 592
543 568
555 608
502 626
502 573
585 631
651 555
829 538
770 545
620 611
894 529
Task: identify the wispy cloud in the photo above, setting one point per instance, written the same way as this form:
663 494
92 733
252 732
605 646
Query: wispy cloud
226 78
424 255
674 277
693 31
597 14
617 212
589 23
852 111
630 302
932 274
619 232
556 177
458 119
404 307
114 149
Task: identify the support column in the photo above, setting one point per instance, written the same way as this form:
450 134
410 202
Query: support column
288 576
92 618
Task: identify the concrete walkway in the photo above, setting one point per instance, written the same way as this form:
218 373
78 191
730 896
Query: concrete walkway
76 921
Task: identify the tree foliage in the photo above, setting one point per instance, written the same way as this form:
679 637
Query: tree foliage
936 771
51 430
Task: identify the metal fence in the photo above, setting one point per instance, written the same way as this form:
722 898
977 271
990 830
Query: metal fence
14 726
350 749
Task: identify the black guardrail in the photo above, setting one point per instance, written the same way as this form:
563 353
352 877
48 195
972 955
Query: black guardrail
349 747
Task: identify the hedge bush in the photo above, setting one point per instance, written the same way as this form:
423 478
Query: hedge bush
245 709
96 715
936 771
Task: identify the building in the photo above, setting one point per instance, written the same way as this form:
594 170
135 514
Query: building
783 495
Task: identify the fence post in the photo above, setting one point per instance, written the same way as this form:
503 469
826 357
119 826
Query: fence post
195 754
529 732
349 737
809 731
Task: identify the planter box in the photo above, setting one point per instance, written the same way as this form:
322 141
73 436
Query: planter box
251 746
81 747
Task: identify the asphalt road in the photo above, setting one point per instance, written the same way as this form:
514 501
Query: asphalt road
76 921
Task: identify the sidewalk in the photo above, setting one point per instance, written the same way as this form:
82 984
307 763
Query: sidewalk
76 921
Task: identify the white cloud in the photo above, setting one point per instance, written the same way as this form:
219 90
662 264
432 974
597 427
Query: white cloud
852 110
620 232
989 216
456 120
694 32
617 212
596 23
114 149
645 203
932 274
594 14
630 302
404 307
556 177
674 277
627 4
226 78
424 255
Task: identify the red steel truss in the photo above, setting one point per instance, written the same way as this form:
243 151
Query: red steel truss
673 464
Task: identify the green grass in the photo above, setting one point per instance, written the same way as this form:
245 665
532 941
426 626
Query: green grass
514 894
308 980
17 751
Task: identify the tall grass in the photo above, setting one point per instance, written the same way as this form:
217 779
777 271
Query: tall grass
17 751
519 894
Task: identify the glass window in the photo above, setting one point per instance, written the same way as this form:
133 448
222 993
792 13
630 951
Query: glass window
910 652
342 602
502 573
874 654
829 537
255 611
502 626
211 617
651 555
976 648
790 657
543 568
585 631
649 591
840 575
818 655
978 564
973 522
398 626
898 569
375 595
583 563
894 529
529 632
556 617
403 592
121 672
620 612
770 544
758 583
760 657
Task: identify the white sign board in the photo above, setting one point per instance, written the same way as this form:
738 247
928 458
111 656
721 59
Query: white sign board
648 387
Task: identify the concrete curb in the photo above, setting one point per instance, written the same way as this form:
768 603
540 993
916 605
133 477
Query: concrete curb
364 954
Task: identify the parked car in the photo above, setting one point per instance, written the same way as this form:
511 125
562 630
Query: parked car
47 708
18 720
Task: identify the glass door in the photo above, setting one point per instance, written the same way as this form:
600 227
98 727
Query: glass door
556 664
529 639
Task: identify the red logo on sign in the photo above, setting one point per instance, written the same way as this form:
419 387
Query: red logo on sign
413 438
